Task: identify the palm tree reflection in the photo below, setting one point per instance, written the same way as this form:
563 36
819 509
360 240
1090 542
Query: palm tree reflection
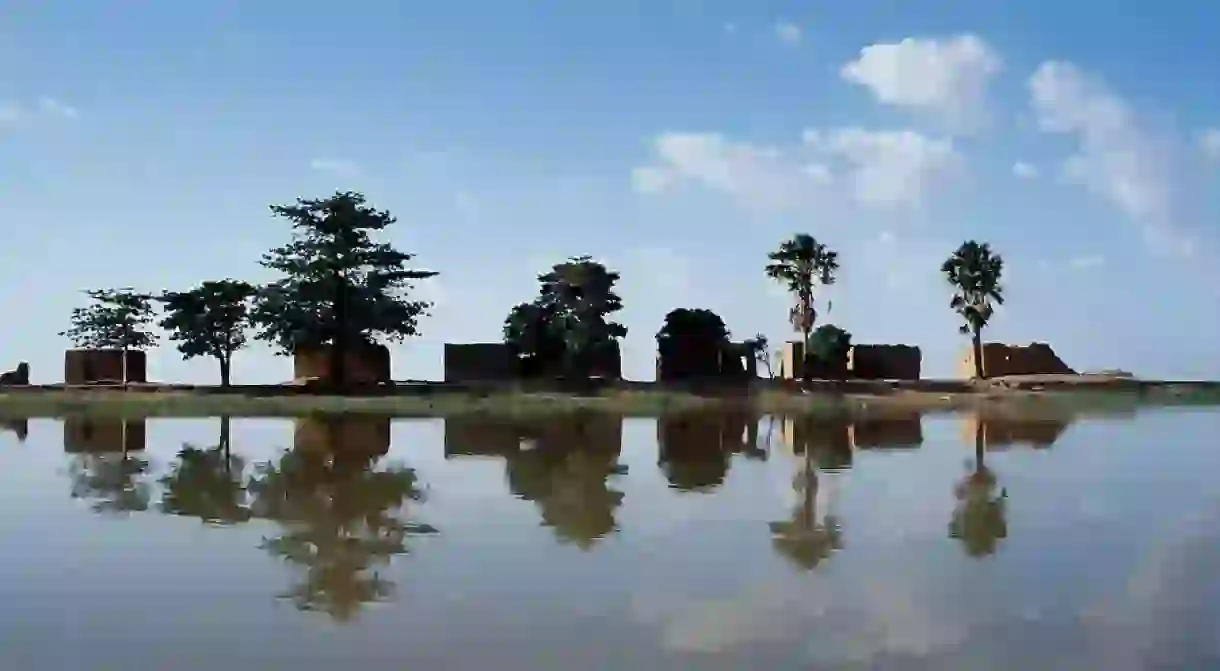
804 539
980 516
343 518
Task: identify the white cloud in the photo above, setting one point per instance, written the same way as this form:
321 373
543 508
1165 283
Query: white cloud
889 167
946 79
338 167
879 167
58 108
788 32
1024 170
1209 143
1115 158
1087 261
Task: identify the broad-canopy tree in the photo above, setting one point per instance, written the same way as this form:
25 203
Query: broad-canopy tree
802 264
573 306
530 332
340 286
975 271
117 319
830 343
691 330
209 320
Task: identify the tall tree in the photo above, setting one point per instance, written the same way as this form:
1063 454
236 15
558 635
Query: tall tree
210 320
340 286
573 306
117 319
802 264
974 271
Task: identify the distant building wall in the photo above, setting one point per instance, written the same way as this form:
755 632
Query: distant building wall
91 434
1000 359
884 362
87 366
366 363
695 360
794 365
472 362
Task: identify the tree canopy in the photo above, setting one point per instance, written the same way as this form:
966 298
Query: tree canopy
801 264
339 287
687 324
117 319
209 320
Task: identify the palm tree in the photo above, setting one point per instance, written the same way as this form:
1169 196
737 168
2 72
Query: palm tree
801 264
974 271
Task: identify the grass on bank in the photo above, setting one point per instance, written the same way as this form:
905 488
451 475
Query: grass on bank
619 402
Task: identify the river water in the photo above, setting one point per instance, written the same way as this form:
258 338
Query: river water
683 542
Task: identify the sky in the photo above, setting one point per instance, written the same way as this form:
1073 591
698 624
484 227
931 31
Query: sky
676 141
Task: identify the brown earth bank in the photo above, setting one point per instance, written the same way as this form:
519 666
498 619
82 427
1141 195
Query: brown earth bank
1034 393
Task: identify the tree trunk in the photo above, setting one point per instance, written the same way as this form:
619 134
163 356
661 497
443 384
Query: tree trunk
226 365
225 427
339 341
980 444
977 342
124 367
809 504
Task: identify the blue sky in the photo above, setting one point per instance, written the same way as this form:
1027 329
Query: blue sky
678 141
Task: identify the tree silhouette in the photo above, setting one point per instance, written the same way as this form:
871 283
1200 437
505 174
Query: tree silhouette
210 320
974 272
980 516
801 264
207 483
117 319
115 482
343 520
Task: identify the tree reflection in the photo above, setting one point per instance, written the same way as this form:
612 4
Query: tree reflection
563 467
207 483
804 539
103 470
18 425
695 449
980 516
343 518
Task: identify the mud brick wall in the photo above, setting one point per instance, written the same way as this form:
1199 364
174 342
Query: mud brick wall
884 362
688 360
354 435
86 366
793 365
104 435
367 363
888 433
1000 359
473 362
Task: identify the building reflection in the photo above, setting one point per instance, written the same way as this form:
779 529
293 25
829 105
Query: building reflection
207 482
998 428
695 449
103 469
343 514
903 431
562 464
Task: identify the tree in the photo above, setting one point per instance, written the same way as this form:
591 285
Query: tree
691 331
210 320
974 272
830 343
530 333
574 301
118 319
759 348
340 286
802 264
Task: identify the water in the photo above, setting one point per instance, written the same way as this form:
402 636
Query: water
584 545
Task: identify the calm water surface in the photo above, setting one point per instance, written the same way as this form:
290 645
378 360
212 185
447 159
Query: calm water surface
679 543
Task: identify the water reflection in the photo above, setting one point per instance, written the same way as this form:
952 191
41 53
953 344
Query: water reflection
207 483
805 538
980 517
103 469
998 429
694 449
343 517
19 426
562 464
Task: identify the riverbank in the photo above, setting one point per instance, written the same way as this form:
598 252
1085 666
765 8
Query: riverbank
1029 393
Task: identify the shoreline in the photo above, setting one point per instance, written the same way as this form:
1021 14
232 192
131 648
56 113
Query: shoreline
1027 394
